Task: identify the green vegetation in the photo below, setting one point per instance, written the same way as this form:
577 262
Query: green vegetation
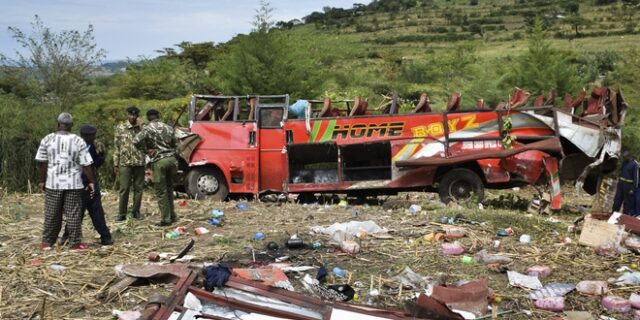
480 48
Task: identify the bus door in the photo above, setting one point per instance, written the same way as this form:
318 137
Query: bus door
272 145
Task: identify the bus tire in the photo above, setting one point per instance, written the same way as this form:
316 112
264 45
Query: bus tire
207 183
461 185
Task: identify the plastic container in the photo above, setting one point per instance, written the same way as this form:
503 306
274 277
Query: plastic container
56 267
452 249
551 303
200 230
615 303
455 233
294 242
539 271
594 288
504 232
349 246
258 236
635 300
525 238
171 235
467 260
217 213
483 257
339 272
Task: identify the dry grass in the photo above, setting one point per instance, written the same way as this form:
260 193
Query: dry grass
25 287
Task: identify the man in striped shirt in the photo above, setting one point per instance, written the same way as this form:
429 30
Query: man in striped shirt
62 158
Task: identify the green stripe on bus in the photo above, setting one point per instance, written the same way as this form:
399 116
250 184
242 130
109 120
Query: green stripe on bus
314 132
329 132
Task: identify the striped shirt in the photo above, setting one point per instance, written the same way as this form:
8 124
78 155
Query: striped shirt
65 154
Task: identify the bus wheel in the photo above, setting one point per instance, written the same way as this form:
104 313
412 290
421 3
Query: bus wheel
207 183
461 185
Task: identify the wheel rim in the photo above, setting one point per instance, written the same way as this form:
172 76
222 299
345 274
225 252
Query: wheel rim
461 190
208 184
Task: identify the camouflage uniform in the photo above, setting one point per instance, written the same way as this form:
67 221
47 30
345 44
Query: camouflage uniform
159 137
130 162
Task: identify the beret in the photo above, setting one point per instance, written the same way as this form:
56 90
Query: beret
133 110
88 129
153 112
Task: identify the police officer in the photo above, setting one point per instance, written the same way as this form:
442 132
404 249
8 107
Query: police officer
627 184
128 163
158 140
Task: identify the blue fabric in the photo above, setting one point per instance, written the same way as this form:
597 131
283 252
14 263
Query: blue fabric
296 110
217 276
626 193
322 274
98 160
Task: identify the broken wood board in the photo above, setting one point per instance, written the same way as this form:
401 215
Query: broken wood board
596 233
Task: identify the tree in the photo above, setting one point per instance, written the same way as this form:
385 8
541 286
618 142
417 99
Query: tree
576 21
54 65
262 20
267 61
543 68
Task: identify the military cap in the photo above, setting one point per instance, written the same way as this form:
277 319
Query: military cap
133 110
87 129
153 112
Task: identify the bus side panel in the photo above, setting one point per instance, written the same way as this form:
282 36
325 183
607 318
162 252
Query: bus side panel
228 145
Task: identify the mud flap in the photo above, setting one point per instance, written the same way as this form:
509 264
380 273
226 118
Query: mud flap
551 168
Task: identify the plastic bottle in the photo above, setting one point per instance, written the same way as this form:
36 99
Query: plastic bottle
214 222
414 208
452 249
171 235
593 287
635 300
483 257
217 213
200 230
339 272
56 267
539 271
467 260
258 236
242 206
349 246
317 245
550 303
455 233
615 303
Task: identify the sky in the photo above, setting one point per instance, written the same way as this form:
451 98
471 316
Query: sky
136 28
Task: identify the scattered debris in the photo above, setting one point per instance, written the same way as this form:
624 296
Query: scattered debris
523 281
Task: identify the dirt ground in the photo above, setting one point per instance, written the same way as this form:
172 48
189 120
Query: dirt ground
27 281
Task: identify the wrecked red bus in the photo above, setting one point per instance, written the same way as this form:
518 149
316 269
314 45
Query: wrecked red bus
256 144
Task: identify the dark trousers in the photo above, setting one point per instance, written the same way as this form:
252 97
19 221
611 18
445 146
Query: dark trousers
625 198
164 175
55 203
96 213
130 178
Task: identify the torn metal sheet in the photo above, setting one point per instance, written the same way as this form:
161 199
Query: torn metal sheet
273 277
552 290
471 297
